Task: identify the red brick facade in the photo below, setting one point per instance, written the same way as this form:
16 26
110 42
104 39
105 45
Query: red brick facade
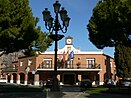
93 65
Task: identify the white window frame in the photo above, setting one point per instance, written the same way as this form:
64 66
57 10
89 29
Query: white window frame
50 62
87 63
21 63
30 62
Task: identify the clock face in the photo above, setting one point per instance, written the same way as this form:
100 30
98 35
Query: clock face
68 41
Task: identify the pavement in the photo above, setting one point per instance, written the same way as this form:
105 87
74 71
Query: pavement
65 92
75 92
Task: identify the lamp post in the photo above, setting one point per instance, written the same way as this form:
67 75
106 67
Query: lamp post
54 25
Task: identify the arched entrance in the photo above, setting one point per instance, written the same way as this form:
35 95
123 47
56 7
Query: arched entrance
22 78
8 78
69 78
14 77
85 76
30 78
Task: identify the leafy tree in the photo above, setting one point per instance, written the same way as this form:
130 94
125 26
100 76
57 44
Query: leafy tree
19 30
123 60
110 26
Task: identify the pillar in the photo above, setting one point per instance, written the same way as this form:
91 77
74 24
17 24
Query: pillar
36 80
79 77
11 78
6 76
101 76
18 79
26 79
58 77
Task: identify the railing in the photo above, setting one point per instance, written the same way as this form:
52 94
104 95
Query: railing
70 67
10 69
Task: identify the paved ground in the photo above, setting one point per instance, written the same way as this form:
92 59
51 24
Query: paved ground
66 92
61 95
74 92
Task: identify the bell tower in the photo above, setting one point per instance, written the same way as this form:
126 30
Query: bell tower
69 40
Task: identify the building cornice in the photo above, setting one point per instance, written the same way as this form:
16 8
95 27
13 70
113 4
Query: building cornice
72 48
69 70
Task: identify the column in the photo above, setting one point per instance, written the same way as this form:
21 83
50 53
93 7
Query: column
58 77
79 78
36 80
94 78
11 78
18 79
6 76
101 82
26 79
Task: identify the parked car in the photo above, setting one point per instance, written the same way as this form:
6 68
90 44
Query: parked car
85 83
3 80
48 83
109 83
125 83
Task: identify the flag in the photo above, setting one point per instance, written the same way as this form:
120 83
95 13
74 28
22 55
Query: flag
71 56
67 56
63 57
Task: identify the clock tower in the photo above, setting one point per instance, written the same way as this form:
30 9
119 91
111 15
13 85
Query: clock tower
69 40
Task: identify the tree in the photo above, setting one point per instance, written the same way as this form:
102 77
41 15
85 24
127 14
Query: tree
110 26
19 30
123 60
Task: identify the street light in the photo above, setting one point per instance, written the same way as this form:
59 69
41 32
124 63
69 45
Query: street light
52 24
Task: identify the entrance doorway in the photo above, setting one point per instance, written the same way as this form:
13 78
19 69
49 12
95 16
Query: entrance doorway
69 79
22 78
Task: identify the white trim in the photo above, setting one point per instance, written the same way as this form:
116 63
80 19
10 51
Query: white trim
36 83
61 83
11 81
101 83
69 69
18 81
76 51
47 58
25 82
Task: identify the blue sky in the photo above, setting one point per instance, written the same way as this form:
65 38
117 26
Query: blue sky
80 12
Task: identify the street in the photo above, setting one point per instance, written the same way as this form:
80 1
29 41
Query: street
65 92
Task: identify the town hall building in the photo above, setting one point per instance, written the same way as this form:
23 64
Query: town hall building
73 65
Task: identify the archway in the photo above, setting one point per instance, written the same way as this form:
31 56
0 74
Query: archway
30 78
8 78
14 77
22 78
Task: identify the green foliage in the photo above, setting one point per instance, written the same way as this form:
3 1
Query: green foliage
123 60
18 28
110 26
110 23
97 90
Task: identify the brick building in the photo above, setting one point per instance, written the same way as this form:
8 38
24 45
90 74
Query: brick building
73 66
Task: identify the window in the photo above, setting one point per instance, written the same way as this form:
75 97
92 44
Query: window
69 64
47 63
21 63
68 48
30 62
90 62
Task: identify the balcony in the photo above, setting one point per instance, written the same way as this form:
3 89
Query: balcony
10 69
70 68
